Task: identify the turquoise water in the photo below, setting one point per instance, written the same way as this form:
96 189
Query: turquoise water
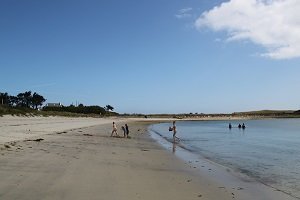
267 150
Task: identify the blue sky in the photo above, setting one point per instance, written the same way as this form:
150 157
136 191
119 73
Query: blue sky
141 56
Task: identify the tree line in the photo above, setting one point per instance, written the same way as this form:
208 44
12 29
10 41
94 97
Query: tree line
35 101
22 100
78 109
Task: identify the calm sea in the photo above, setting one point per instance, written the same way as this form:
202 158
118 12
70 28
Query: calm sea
267 150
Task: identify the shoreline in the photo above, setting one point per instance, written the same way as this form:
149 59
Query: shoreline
83 162
245 186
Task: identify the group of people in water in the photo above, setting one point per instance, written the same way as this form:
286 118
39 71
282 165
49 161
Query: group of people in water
115 130
239 126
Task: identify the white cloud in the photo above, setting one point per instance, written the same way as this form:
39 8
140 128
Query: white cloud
184 13
273 24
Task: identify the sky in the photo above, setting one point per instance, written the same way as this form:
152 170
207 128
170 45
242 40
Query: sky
158 56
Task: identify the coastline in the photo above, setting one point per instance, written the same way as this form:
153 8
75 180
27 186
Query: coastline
83 162
240 184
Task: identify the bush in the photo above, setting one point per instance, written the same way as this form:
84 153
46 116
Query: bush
96 110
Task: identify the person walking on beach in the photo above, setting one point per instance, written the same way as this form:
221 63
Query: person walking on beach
174 131
127 130
114 130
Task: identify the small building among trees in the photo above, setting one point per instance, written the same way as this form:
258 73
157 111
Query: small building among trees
57 105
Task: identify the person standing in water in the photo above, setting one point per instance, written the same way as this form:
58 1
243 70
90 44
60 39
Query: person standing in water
174 131
243 126
230 126
114 130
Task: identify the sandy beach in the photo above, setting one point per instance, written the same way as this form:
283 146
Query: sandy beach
19 128
75 158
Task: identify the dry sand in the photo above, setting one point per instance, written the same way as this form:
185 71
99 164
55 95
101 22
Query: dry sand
14 128
78 160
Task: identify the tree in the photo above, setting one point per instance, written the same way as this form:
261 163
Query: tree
4 98
81 105
20 100
13 101
109 107
24 99
28 99
37 100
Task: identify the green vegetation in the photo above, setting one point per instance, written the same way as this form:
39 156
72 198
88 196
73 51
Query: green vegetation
269 113
28 104
297 112
80 109
22 100
109 107
265 112
250 114
5 110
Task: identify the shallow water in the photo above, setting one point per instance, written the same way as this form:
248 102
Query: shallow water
267 150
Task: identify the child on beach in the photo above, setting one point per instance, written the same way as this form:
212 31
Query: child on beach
124 131
127 130
114 130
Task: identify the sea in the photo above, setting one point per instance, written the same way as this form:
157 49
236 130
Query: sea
267 150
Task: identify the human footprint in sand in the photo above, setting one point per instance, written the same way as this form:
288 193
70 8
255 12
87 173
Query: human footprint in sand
114 130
